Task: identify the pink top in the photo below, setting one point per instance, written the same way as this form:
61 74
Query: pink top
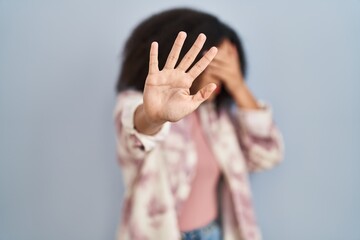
201 206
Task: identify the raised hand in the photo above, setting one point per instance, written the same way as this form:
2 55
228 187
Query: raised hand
226 66
166 92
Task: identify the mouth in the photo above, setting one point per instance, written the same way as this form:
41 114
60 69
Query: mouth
217 89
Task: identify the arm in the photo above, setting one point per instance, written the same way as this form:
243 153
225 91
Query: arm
260 140
132 146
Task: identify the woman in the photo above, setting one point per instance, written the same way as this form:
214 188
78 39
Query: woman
189 130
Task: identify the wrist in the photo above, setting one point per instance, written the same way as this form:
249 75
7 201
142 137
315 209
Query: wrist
151 119
146 124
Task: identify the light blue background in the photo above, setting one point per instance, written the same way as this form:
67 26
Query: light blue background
58 66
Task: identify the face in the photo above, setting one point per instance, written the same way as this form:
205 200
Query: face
226 51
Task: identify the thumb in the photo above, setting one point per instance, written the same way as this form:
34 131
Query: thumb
204 93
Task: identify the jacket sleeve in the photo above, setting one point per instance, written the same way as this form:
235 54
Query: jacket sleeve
260 139
132 146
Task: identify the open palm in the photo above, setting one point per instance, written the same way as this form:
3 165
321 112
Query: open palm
166 92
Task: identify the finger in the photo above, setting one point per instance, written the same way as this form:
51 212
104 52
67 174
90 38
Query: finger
195 71
222 57
218 63
192 53
175 50
153 62
217 75
219 70
204 93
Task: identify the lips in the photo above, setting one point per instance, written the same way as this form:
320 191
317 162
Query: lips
218 88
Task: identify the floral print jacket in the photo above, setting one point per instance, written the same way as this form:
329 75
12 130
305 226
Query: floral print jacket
158 169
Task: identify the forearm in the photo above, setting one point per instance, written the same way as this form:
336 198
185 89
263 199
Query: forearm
263 153
243 97
143 124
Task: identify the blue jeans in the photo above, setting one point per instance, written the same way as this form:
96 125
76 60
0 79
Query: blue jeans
212 231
